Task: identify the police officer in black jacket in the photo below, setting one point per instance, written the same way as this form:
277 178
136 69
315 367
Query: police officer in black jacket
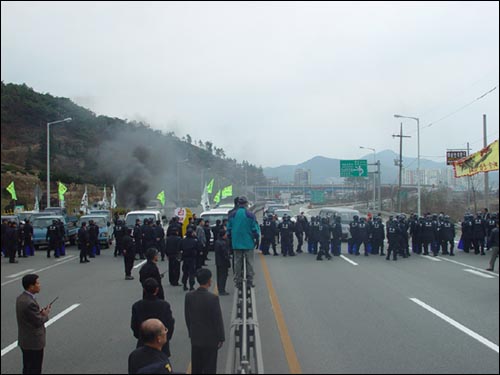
190 248
172 249
479 234
336 235
447 235
127 248
12 241
28 239
83 243
393 237
52 237
324 239
137 234
118 232
378 236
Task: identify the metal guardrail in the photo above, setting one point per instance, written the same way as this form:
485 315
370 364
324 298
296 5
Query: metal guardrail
245 349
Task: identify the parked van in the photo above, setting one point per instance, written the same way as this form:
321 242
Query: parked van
104 225
213 216
346 215
132 216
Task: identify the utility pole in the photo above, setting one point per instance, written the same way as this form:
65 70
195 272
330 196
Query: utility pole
486 178
468 181
379 183
400 136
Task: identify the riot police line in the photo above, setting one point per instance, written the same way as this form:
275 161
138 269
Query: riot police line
432 234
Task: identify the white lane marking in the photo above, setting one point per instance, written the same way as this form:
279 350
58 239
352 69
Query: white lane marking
47 324
42 269
430 257
140 264
348 260
469 266
20 273
486 276
457 325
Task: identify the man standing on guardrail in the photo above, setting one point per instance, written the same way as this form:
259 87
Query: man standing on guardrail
244 232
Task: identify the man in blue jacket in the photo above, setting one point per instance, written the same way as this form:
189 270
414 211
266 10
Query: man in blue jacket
244 232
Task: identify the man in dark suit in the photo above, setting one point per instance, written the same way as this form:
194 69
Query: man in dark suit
152 307
30 323
204 323
150 269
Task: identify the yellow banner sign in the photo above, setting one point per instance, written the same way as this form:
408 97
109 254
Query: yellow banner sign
485 160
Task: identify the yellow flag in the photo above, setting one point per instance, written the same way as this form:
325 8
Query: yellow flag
210 186
161 197
62 190
485 160
227 191
12 190
217 197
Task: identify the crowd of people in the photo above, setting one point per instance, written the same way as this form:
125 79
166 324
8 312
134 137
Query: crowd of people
432 234
152 321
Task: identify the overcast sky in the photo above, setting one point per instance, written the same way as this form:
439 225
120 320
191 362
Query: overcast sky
271 83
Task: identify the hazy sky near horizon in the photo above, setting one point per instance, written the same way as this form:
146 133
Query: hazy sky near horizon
272 83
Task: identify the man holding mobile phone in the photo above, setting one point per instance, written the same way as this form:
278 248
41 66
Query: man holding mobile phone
31 325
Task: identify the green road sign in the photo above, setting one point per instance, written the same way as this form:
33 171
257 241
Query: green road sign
353 168
317 196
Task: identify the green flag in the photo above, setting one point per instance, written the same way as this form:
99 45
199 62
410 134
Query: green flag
210 186
12 190
161 197
227 191
62 190
217 197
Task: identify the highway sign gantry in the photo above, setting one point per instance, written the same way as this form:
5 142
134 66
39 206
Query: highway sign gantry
353 168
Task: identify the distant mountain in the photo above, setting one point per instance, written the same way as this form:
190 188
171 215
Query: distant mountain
325 170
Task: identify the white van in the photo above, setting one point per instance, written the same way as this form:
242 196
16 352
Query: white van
132 216
213 216
346 215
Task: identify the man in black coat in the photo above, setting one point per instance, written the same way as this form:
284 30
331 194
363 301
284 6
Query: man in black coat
28 239
190 249
205 326
152 307
222 262
127 248
84 243
150 269
173 254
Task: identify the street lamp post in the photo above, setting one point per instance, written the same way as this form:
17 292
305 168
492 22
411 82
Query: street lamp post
374 183
48 155
418 160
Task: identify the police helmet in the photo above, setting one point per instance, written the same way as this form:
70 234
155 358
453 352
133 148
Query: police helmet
355 217
446 217
55 221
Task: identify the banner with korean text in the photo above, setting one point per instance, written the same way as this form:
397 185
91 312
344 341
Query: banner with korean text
485 160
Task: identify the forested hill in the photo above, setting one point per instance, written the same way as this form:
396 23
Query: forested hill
102 150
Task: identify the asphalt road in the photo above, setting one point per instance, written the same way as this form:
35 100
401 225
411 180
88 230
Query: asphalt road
340 317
